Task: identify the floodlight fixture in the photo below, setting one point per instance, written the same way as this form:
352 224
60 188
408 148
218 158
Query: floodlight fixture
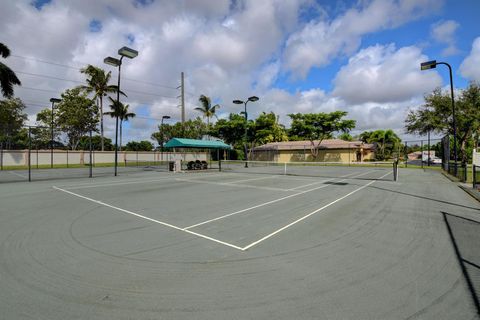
55 100
128 52
112 61
238 102
428 65
253 98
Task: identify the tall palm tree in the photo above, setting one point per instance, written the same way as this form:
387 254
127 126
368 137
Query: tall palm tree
8 78
206 108
120 110
97 83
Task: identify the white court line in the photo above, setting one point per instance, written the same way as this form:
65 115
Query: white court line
149 219
265 203
252 179
317 182
231 184
18 174
308 215
122 182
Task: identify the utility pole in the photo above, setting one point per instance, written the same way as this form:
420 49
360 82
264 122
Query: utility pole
182 96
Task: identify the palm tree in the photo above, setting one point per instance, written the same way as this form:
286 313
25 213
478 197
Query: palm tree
120 110
387 140
206 108
8 78
97 83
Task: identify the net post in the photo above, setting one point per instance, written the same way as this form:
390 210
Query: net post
29 154
219 164
395 170
285 168
90 174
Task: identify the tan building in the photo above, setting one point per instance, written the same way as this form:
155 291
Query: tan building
331 150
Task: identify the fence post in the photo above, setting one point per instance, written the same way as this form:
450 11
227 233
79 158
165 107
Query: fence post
90 155
421 148
1 155
29 154
406 154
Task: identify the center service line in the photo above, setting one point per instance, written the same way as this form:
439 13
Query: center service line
267 203
149 219
310 214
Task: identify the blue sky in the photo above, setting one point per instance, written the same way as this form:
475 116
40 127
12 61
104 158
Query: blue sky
297 56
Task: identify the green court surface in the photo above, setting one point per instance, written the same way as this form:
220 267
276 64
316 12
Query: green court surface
234 245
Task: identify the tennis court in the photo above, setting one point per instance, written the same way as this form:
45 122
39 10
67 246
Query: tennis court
287 243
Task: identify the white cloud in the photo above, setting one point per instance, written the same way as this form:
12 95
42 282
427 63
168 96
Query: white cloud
227 49
321 41
444 32
470 67
383 74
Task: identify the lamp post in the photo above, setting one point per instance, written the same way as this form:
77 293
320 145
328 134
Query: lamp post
123 52
53 101
252 99
161 142
431 65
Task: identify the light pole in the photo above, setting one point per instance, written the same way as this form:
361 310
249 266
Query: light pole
161 142
123 52
53 101
252 99
431 65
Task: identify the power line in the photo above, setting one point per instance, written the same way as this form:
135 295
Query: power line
45 76
76 81
76 68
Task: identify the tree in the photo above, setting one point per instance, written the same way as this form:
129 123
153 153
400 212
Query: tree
84 143
8 78
43 131
436 115
267 129
387 142
121 111
143 145
231 130
316 127
12 118
206 108
76 115
365 136
345 136
97 83
191 129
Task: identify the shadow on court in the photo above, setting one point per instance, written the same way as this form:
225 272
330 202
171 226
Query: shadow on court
465 236
424 198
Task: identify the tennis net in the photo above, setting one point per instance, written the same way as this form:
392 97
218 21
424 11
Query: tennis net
147 165
364 170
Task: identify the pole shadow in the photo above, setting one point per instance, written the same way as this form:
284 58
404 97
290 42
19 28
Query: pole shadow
465 236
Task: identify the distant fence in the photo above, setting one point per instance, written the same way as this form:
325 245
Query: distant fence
39 158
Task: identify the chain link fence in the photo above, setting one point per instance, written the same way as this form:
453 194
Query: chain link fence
30 154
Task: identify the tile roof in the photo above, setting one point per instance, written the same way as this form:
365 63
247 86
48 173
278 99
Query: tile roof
326 144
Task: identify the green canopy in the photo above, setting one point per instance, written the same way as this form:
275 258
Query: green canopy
192 143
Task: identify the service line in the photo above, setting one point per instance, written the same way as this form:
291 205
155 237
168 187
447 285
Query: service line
272 201
309 214
149 219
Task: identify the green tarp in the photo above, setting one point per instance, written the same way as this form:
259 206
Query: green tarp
192 143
